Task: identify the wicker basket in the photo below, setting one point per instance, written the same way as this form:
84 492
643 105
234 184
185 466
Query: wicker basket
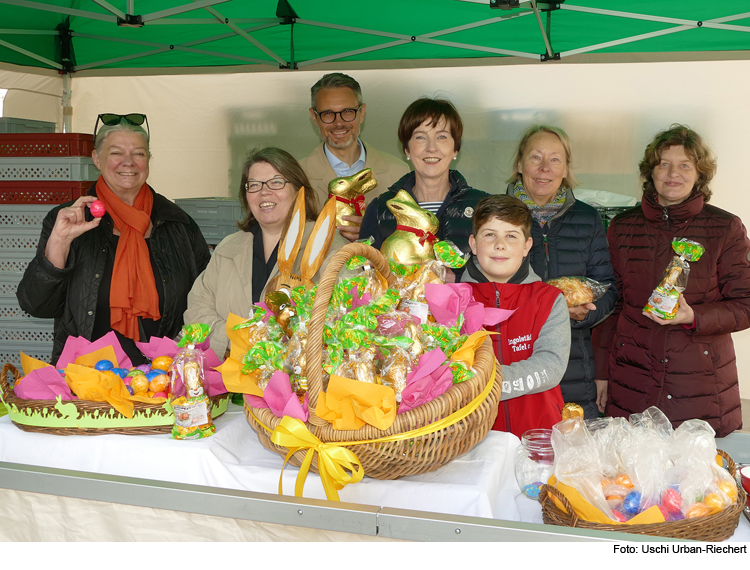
711 528
80 417
390 460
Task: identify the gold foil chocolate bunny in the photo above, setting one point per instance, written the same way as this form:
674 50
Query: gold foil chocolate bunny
349 192
412 241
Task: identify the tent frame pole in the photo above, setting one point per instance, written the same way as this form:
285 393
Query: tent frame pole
67 94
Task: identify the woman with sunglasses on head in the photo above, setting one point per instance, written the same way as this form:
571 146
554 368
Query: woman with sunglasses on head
244 262
129 271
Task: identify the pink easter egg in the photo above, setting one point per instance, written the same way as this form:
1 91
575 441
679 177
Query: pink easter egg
97 208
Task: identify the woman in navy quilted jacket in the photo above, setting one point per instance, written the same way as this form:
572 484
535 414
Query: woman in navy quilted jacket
569 240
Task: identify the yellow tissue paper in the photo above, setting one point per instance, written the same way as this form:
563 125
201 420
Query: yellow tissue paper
28 363
90 384
231 368
588 512
350 404
104 353
469 348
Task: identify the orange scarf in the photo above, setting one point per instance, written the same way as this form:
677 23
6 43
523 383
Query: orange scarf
132 292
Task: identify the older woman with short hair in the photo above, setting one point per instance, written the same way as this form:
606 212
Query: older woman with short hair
244 262
129 271
685 366
430 133
569 241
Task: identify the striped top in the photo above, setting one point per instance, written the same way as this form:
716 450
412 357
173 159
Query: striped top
431 206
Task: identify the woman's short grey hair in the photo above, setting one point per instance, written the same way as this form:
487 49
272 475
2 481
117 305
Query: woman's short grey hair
334 81
570 180
123 127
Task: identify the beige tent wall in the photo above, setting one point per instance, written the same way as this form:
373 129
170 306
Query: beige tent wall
203 125
29 96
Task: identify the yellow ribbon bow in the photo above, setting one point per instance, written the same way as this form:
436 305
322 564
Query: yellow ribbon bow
337 466
334 460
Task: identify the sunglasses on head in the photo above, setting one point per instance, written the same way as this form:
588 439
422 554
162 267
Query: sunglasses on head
112 119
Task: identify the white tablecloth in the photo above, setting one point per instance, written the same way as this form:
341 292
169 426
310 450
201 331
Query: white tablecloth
480 483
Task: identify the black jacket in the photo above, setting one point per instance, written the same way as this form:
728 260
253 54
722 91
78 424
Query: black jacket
454 215
69 295
575 244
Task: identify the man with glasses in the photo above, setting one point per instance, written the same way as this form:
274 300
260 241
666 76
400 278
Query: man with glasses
338 111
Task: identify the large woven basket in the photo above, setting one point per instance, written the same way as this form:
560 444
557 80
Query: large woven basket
711 528
390 460
84 417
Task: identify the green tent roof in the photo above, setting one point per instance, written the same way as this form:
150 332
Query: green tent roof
138 34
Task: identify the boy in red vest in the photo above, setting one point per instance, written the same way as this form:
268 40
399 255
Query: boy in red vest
534 343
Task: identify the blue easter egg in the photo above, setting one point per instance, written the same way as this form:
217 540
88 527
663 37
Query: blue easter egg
153 374
61 372
104 365
532 490
631 504
121 372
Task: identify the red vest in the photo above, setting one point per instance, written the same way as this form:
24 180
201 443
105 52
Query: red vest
533 303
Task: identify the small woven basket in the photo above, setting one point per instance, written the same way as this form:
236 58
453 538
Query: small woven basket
390 460
79 417
711 528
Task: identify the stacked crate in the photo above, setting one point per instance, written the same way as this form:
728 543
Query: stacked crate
37 172
216 217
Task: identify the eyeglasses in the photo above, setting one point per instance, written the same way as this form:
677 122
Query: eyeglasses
112 119
253 186
328 117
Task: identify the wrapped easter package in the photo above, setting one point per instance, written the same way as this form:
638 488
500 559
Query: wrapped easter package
192 410
579 290
624 468
664 299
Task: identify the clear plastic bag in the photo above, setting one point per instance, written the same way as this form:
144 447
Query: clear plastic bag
579 290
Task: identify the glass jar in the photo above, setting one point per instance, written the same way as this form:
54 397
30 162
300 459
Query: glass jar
534 461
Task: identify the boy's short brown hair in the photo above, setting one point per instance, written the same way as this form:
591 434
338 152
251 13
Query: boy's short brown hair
505 208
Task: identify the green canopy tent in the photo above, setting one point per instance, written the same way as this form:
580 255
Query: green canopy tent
96 35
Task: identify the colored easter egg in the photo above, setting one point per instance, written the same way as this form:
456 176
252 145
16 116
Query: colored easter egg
614 502
631 504
136 372
161 363
714 501
97 208
127 380
61 372
698 510
671 500
104 365
139 384
154 373
625 481
663 512
619 516
532 490
159 384
145 368
606 481
728 488
121 372
160 395
130 390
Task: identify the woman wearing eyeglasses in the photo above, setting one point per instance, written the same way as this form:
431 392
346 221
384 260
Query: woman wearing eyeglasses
430 133
129 271
244 262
